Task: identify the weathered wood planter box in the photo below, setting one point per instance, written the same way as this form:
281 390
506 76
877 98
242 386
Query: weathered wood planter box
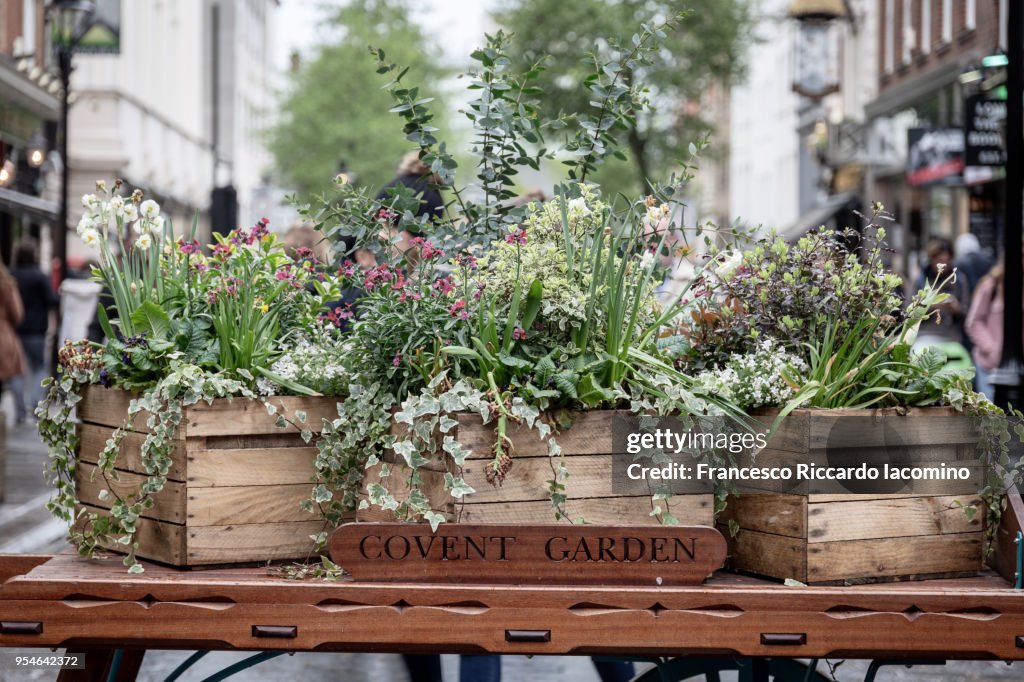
523 497
861 537
234 488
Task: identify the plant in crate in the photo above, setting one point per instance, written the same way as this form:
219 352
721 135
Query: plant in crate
815 326
183 329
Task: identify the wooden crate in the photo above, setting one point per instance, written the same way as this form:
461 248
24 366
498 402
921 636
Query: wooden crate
235 484
523 497
862 537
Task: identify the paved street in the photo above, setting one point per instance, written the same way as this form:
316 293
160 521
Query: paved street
25 527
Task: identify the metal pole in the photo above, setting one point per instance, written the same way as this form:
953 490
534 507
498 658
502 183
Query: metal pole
60 236
60 230
1007 378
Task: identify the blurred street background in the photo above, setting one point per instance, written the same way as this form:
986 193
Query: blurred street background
221 109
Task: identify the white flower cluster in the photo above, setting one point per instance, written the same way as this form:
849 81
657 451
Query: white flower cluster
315 365
108 213
768 377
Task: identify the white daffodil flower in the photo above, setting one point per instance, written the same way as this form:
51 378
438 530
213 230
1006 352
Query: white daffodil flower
90 236
144 241
149 209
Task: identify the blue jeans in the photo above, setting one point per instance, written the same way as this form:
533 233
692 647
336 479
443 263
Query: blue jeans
26 388
487 668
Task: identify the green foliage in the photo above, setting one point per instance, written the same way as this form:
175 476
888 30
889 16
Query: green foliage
706 49
792 292
333 108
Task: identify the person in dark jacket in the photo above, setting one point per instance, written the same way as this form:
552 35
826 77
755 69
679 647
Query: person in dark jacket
417 176
39 301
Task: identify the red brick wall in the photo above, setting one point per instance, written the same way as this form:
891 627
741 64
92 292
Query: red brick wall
10 25
965 47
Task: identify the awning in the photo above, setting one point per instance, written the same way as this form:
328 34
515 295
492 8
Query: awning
818 216
27 206
19 89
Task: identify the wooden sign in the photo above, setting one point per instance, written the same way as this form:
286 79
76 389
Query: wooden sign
528 555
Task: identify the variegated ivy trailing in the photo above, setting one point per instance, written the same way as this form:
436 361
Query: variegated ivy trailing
430 415
183 385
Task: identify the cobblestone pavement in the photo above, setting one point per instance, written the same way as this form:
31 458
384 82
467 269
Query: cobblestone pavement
25 527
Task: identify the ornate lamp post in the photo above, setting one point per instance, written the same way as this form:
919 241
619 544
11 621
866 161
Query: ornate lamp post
816 68
66 17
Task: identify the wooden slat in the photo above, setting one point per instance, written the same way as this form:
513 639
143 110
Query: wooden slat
689 509
767 554
93 440
108 407
589 433
232 417
158 540
256 467
791 434
12 565
862 497
773 513
589 476
915 516
251 542
1004 555
926 555
283 439
168 504
876 430
223 506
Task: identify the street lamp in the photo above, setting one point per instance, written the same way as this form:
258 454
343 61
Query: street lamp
66 17
36 152
816 68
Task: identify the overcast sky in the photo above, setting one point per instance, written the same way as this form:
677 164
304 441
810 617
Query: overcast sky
457 25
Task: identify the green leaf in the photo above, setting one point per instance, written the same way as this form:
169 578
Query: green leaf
533 301
152 319
592 393
566 383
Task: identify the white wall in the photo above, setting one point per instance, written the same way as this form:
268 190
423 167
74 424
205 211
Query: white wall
145 114
763 146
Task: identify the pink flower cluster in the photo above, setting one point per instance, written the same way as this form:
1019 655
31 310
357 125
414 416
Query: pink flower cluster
188 248
427 250
465 260
516 237
458 309
386 215
252 235
377 276
444 286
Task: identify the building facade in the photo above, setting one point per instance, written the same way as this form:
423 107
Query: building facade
29 110
931 56
178 111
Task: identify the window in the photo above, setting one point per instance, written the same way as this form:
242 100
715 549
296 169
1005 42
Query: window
926 26
889 48
908 33
971 15
947 21
1003 9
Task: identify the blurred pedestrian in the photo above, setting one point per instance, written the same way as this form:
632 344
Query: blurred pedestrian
417 176
39 300
12 356
971 261
947 326
985 327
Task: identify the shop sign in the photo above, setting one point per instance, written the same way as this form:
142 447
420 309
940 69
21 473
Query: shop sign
984 130
935 156
562 554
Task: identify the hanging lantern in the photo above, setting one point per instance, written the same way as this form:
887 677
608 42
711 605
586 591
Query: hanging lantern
816 67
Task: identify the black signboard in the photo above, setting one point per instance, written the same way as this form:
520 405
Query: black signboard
935 156
984 131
